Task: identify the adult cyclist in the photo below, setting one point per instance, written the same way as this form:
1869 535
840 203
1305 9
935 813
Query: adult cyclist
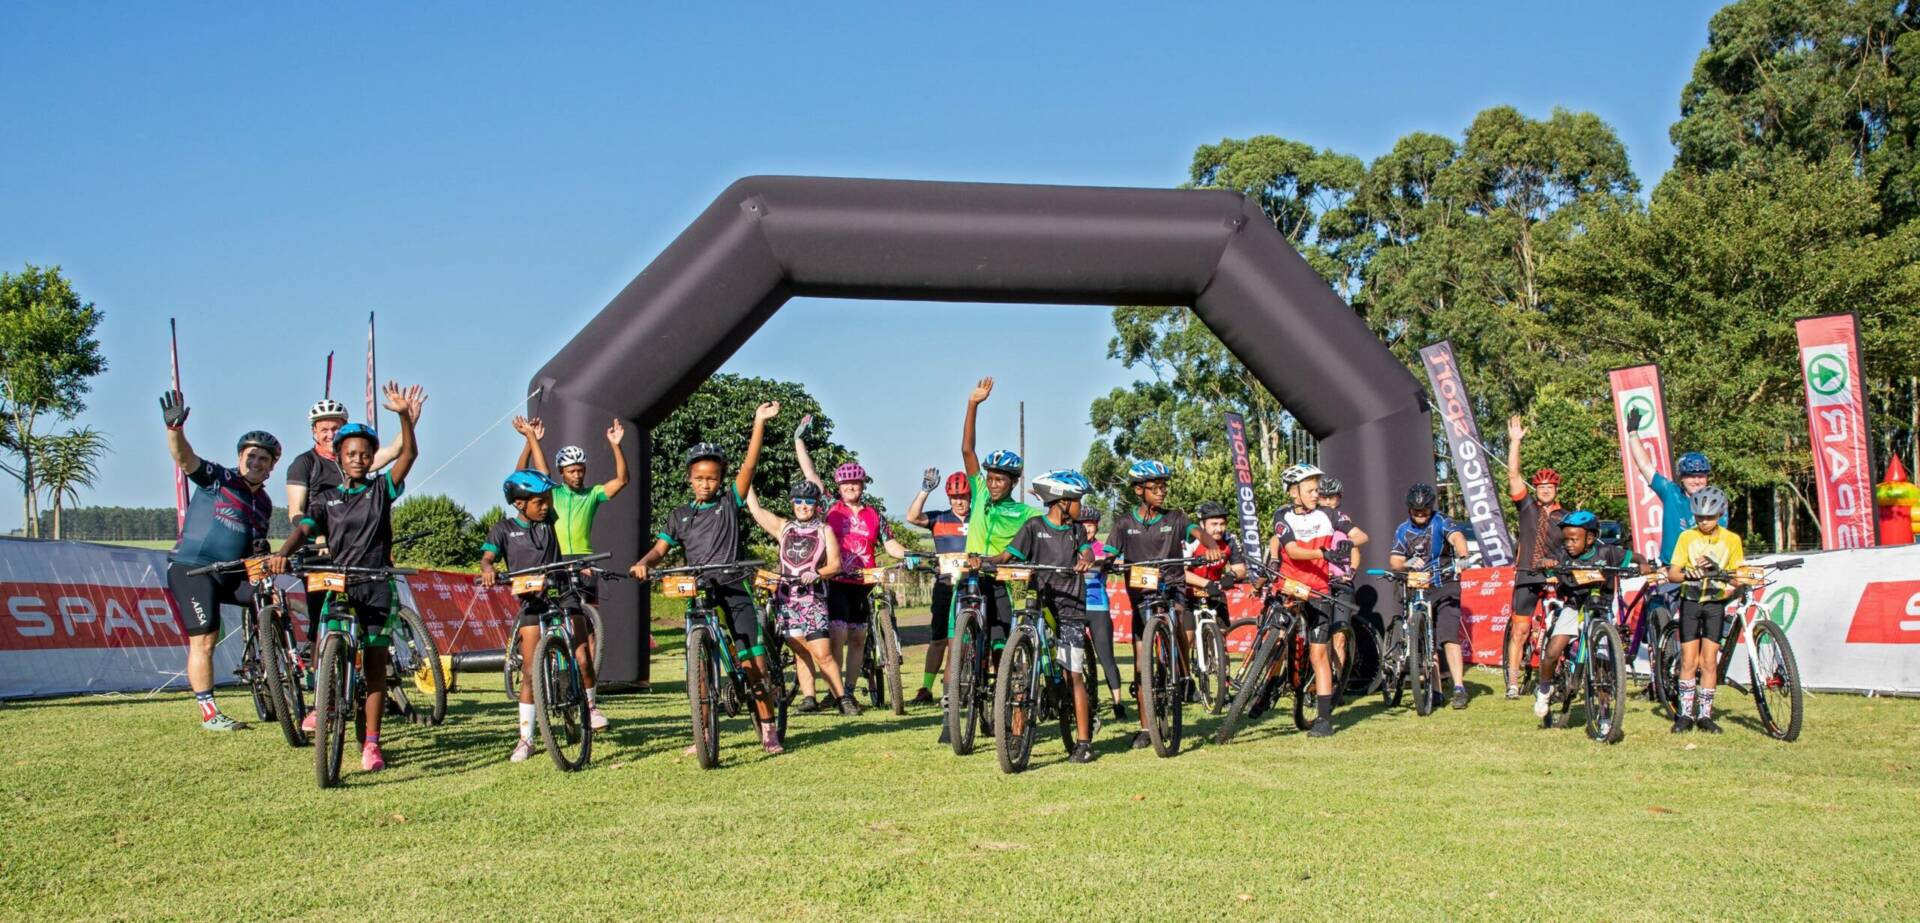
1431 542
949 528
1539 543
1348 535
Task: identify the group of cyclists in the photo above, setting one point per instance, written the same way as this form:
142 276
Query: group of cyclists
342 491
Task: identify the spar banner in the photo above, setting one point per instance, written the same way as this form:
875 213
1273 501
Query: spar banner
1837 425
1638 390
1470 465
1243 488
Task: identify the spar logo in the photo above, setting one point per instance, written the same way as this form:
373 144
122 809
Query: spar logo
1888 613
1641 401
1829 375
1781 606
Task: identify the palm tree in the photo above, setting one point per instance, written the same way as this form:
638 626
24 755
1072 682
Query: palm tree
66 463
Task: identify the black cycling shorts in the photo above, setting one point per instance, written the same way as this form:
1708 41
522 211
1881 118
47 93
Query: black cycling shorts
737 610
1447 625
1526 598
850 604
942 610
1702 621
1323 619
374 623
198 598
1182 613
534 610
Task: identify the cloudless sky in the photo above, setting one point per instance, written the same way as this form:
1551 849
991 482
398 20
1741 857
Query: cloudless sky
486 177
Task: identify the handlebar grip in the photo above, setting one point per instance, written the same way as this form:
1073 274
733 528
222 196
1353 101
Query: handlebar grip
1789 563
1377 572
203 570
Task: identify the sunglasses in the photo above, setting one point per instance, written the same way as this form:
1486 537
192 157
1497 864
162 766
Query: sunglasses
804 502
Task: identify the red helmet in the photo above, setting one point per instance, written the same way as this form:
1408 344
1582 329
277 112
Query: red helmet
1547 476
958 486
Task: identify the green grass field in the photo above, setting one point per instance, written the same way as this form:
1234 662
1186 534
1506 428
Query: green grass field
120 808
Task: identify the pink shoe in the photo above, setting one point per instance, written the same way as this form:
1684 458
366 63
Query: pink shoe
768 741
370 758
521 751
595 719
306 724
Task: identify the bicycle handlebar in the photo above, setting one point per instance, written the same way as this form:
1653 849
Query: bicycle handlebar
697 569
560 565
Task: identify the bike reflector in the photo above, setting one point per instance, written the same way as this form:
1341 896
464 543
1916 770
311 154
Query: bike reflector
767 580
952 563
1014 574
679 586
529 583
326 581
1143 578
1419 580
257 570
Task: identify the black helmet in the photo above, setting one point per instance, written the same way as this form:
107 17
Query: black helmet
804 490
1421 497
705 451
1209 510
1088 514
1330 486
261 438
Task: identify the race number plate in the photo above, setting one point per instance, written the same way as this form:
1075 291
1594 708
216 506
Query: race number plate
1419 580
1585 577
1143 578
529 583
952 564
257 569
892 576
679 586
1296 589
1014 574
871 576
326 581
766 580
1752 573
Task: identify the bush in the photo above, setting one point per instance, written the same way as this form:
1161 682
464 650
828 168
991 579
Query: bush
450 539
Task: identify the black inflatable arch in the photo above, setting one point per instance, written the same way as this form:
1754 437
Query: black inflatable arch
768 239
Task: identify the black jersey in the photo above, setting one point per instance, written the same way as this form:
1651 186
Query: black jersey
1042 542
523 544
1163 536
357 521
707 533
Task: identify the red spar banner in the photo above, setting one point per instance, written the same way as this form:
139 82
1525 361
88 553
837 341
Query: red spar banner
1639 388
1837 423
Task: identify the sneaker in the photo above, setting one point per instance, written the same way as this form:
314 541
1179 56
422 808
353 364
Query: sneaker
221 721
848 706
1706 725
1119 711
521 751
1513 692
809 705
595 719
1142 740
923 697
1459 697
307 723
768 742
370 758
1082 753
1682 724
1541 700
1321 728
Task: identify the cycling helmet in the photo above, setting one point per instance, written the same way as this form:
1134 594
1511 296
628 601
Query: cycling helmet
327 408
1088 514
804 491
1061 484
526 484
1611 533
1708 503
1004 462
356 431
261 438
706 451
1546 476
1209 510
850 473
958 486
1694 463
1146 470
1294 475
1421 497
1330 486
569 456
1581 519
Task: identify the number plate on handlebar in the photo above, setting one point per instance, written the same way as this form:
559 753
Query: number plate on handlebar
1013 574
1419 580
679 586
529 583
257 570
1752 572
326 582
952 564
766 580
871 576
1583 576
1296 589
1143 578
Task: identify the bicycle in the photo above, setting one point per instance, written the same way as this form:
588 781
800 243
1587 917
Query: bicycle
339 686
1279 657
560 707
881 664
1594 666
1410 656
1163 683
573 595
711 657
1209 652
271 663
1773 672
970 690
1031 688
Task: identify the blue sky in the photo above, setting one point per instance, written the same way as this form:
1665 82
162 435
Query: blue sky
487 177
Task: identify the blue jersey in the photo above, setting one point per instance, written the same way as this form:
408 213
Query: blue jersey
1430 543
1676 513
225 518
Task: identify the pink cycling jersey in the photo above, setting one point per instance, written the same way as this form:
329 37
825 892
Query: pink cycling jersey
861 532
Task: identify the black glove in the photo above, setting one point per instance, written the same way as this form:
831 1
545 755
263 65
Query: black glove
1633 420
929 479
173 409
1215 588
1228 580
1339 554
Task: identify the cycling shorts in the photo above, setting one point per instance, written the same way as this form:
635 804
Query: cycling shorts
1702 621
373 623
941 611
198 598
1526 599
737 611
805 621
1323 619
1565 623
534 609
1182 613
1446 617
849 604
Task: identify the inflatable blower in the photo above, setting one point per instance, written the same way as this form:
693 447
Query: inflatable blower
1898 500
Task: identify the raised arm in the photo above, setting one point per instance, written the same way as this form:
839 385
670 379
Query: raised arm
1516 482
743 481
385 455
768 521
615 433
805 458
1638 448
968 458
530 454
173 412
917 510
406 403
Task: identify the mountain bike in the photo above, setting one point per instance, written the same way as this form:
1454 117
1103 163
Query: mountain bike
560 707
881 665
1594 666
1163 681
340 684
970 689
1210 669
716 678
271 664
1279 658
1773 673
1031 689
1410 657
571 594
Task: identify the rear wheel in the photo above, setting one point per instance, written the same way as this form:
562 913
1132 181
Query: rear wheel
1165 700
965 667
1305 680
416 659
333 700
1013 701
560 704
254 668
1394 658
1664 662
1210 648
1777 693
886 642
703 697
1252 681
276 663
510 666
1605 682
781 677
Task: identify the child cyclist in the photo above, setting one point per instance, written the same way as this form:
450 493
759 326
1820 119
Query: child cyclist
1099 608
528 539
707 532
808 552
1151 532
1578 546
1055 540
1349 536
356 518
949 528
1706 560
1303 544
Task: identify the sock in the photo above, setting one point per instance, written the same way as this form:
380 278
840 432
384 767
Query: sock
207 708
1459 687
1325 705
526 721
1705 699
926 681
591 701
373 740
1546 688
1686 697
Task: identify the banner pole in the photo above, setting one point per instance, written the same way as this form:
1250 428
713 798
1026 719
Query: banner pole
179 476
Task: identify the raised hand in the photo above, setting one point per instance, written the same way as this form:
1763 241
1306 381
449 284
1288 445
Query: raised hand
1516 430
173 409
800 432
415 398
396 399
539 427
766 411
521 426
616 432
981 391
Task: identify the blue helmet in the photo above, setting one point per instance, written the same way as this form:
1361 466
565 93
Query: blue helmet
1061 484
1690 463
526 484
1147 469
1004 461
1581 519
356 431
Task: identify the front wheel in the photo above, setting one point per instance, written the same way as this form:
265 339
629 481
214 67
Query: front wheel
1664 663
885 642
1211 669
1605 685
966 668
1253 679
1013 701
1165 700
1777 693
416 659
333 702
1394 658
1425 672
560 704
703 697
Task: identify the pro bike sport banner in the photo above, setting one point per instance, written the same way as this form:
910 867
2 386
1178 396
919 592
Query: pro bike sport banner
1837 425
1470 464
1639 389
1243 489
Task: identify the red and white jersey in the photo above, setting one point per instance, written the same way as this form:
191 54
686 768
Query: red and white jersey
1311 529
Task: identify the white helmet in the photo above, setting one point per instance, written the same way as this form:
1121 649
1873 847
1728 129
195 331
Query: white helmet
1294 475
327 408
569 455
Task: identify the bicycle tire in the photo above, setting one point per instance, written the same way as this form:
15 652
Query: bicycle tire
428 669
1781 689
274 661
1237 669
779 664
1014 696
886 639
592 613
1212 677
253 669
964 669
332 699
560 705
1393 664
703 695
1251 682
510 665
1425 673
1306 691
1664 665
1605 681
1165 700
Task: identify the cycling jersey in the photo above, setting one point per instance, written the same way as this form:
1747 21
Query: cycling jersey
1539 536
1431 543
706 533
357 521
225 518
1601 593
1676 513
1723 549
1216 569
315 471
1042 542
1343 529
992 523
523 544
1097 581
573 512
1310 529
1134 539
862 533
802 607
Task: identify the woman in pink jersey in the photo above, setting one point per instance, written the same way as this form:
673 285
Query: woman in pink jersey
862 532
808 552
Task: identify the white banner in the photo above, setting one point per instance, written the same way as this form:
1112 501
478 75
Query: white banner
1853 618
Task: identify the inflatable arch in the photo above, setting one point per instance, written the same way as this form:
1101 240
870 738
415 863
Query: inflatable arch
768 239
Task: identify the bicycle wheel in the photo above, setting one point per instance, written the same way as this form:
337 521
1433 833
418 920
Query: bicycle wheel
273 666
885 639
1252 681
1211 674
1425 673
965 668
1013 700
1605 682
781 678
560 704
1306 694
416 659
592 613
1347 643
1664 663
510 667
253 669
333 700
703 697
1393 664
1777 694
1165 700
